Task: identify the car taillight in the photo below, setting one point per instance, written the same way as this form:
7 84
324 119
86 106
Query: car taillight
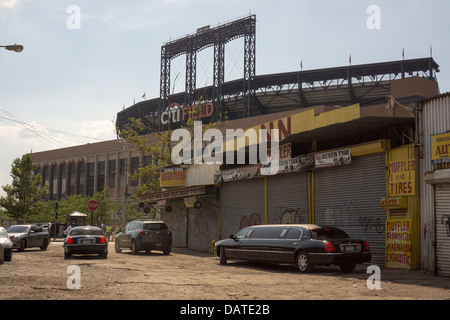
70 240
329 247
169 231
143 232
366 246
102 240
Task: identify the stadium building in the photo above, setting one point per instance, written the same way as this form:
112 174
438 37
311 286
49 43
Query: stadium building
348 149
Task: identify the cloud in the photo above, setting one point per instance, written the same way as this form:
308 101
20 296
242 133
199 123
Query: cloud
8 3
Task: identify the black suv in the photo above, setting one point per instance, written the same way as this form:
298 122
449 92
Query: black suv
144 236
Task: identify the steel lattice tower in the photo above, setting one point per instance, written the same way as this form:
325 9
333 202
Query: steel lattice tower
207 37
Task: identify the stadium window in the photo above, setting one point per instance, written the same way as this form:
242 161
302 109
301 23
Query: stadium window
81 178
62 182
54 186
112 173
72 180
90 178
100 176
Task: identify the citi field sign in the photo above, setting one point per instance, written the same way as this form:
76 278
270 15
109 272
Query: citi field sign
175 113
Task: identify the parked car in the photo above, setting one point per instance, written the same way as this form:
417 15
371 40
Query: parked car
86 240
144 236
6 246
28 236
304 245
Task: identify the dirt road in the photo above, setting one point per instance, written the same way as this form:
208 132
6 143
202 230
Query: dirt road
191 275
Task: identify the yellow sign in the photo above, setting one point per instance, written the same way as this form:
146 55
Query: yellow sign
300 122
398 244
190 201
173 177
440 148
402 178
393 203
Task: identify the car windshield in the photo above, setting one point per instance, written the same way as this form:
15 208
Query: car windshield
86 232
155 226
3 234
17 229
328 233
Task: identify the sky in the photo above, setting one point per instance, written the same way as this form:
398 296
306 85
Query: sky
84 61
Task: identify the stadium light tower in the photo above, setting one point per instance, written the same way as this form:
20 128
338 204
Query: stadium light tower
13 47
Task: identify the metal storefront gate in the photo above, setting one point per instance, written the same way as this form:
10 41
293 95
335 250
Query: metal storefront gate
349 197
288 198
442 202
242 204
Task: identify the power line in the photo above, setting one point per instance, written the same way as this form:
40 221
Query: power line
38 130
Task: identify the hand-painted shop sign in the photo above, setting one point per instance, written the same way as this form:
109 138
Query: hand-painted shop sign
189 202
333 158
440 148
175 194
173 177
393 203
402 178
175 113
398 244
298 164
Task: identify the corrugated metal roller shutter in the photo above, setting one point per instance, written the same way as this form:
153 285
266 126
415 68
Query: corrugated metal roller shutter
442 201
242 204
288 198
348 197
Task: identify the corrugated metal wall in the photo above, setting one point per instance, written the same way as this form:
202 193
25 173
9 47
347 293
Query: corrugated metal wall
288 198
434 119
349 196
242 204
443 230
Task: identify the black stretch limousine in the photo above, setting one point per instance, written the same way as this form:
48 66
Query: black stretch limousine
305 245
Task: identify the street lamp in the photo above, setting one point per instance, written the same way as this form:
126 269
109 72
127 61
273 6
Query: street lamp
13 47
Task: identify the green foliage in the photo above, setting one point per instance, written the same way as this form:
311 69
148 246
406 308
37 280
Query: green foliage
24 196
149 174
106 209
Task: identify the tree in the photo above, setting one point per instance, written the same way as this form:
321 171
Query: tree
160 148
24 197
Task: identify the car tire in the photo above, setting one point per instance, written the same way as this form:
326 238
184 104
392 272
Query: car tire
67 255
348 267
134 248
117 248
23 245
9 256
223 256
103 255
303 263
166 252
44 245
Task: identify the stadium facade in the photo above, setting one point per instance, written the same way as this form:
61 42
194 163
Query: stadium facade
349 151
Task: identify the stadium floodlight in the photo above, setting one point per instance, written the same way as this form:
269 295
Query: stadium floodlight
13 47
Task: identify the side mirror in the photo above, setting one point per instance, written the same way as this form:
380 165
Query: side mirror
231 236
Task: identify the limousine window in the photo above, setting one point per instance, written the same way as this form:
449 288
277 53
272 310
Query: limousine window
328 233
267 233
293 233
242 233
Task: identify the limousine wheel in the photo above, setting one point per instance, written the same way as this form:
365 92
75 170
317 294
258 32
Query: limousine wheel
223 256
303 263
349 267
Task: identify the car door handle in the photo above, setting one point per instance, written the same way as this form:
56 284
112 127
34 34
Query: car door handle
295 243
